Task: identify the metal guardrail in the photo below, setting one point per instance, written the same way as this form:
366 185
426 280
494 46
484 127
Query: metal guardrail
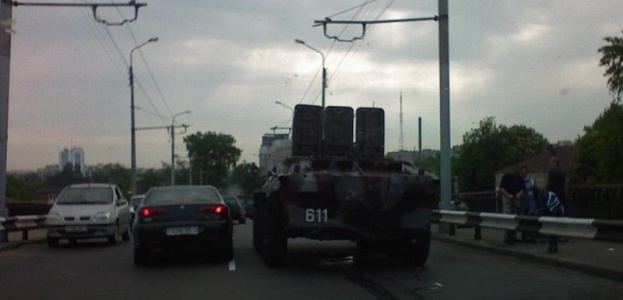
551 227
20 223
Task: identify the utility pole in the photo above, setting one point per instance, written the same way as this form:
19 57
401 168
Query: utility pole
444 107
5 64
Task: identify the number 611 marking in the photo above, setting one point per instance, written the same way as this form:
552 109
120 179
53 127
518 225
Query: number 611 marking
316 215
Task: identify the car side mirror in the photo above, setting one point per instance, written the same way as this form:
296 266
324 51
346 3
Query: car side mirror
122 202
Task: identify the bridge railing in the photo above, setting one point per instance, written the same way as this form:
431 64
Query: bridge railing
20 223
551 227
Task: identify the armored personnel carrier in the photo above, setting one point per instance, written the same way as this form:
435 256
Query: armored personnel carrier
340 190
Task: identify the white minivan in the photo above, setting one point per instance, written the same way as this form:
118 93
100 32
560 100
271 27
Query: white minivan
91 210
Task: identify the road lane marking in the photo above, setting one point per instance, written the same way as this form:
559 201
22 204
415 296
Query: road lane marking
232 265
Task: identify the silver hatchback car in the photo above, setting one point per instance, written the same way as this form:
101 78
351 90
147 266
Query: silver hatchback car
92 210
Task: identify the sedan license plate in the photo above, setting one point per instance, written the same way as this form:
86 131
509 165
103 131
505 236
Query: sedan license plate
192 230
76 228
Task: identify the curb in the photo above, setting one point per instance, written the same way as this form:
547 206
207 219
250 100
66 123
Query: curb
536 258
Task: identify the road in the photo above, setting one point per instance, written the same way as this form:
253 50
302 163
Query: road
316 270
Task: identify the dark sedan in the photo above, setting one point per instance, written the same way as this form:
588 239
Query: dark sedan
177 219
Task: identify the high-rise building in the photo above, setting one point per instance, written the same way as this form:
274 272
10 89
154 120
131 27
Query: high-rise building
73 157
275 148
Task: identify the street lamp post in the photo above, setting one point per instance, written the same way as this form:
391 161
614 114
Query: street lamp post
173 146
324 70
132 126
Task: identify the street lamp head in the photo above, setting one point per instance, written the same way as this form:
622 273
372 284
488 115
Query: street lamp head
154 39
299 41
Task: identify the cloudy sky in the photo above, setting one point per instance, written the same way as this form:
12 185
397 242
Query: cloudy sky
524 62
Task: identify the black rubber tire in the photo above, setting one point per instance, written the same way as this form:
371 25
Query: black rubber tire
52 242
275 242
114 237
126 235
258 234
227 253
140 256
416 252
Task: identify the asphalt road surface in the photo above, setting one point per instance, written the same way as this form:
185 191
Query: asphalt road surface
316 270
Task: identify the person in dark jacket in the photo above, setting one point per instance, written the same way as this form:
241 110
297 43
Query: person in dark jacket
512 188
556 180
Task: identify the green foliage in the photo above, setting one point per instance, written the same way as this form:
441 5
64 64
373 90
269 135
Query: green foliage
600 150
113 173
24 188
612 59
491 147
247 177
151 178
66 177
213 154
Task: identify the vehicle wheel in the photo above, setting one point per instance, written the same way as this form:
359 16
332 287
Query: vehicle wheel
140 256
126 235
52 242
275 242
114 237
416 253
258 234
227 253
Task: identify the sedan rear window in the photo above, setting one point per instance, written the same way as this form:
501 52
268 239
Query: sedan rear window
86 195
181 196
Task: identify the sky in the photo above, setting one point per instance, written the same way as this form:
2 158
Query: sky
532 63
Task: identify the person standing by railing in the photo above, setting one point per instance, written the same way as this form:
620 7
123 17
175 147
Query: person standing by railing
512 188
556 180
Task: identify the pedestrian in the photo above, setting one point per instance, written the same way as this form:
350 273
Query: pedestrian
512 187
556 180
528 203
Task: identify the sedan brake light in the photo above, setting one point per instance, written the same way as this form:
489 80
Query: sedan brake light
148 212
216 209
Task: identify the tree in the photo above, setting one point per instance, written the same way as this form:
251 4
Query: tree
66 177
212 154
247 177
600 150
612 59
489 148
113 173
153 177
24 187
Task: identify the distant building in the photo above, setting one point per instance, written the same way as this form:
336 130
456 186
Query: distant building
73 157
275 148
49 170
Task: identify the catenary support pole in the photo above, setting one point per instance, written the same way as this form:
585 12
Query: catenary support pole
5 64
444 106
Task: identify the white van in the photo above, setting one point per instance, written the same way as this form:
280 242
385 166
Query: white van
91 210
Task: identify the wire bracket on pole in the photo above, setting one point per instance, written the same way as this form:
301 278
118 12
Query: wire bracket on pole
94 7
364 25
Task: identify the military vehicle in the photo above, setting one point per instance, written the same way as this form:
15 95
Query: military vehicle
340 190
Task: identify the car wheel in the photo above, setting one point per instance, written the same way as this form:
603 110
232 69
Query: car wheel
275 244
227 253
114 237
416 253
140 256
126 235
52 242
